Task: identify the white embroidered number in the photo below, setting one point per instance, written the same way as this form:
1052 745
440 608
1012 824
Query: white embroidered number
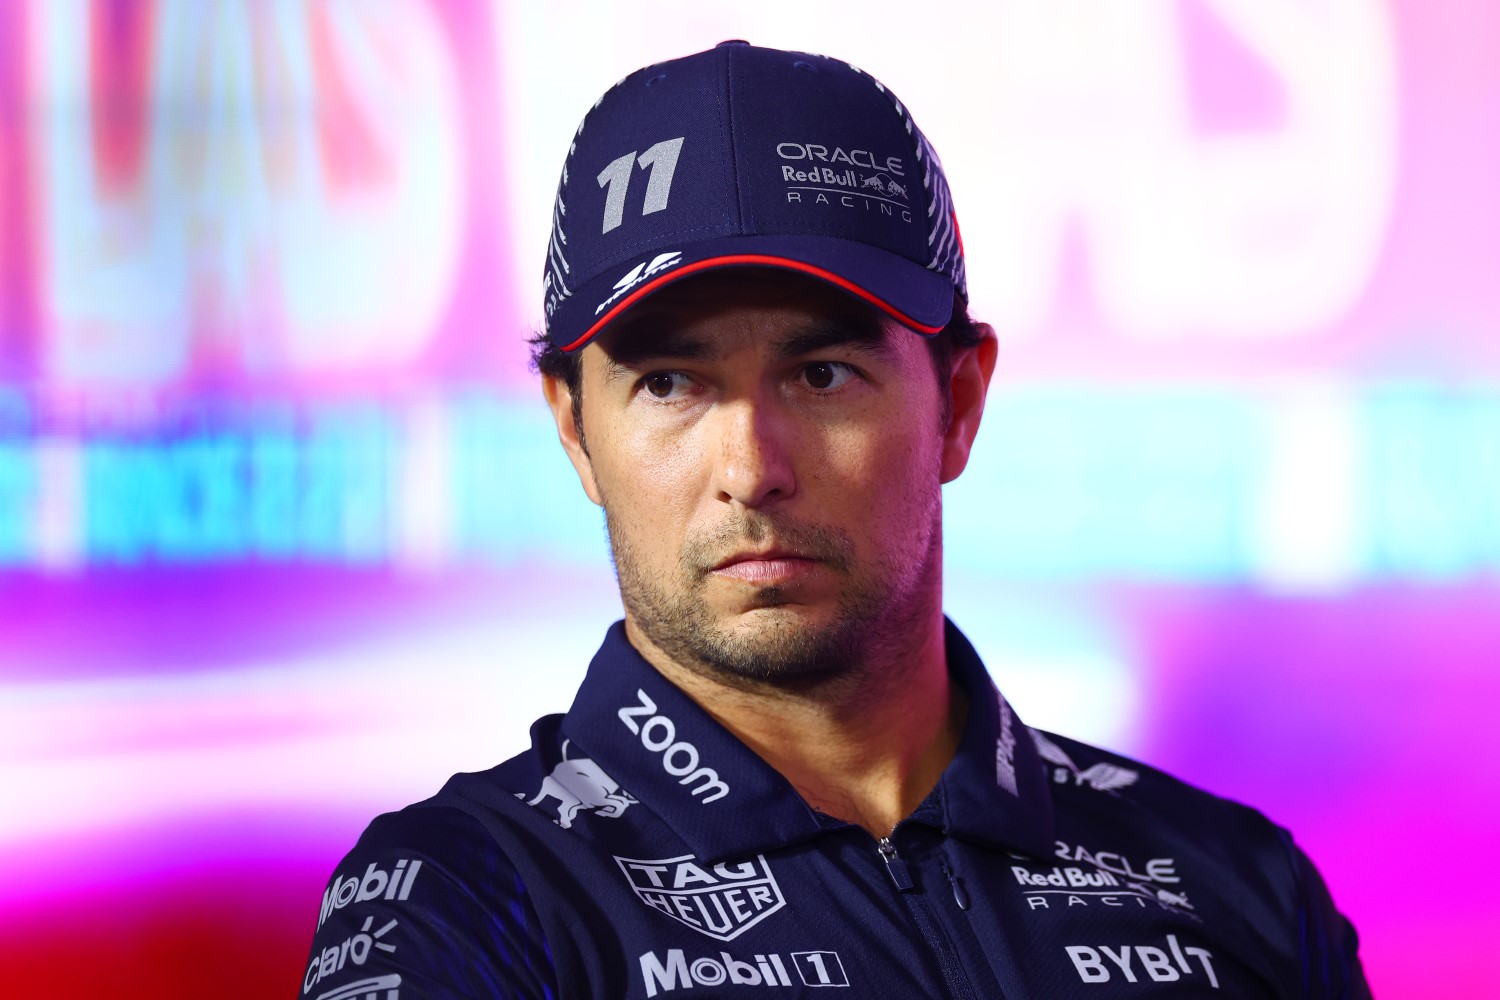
660 160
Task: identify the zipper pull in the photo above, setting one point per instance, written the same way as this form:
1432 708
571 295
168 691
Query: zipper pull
894 866
959 895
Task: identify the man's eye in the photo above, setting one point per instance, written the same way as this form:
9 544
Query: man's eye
827 375
666 385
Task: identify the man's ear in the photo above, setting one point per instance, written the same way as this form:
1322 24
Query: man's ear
972 368
560 398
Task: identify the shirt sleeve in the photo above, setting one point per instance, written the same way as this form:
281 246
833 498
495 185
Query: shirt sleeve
1331 968
426 907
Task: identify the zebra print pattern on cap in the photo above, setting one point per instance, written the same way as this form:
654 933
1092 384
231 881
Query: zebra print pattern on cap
557 272
945 249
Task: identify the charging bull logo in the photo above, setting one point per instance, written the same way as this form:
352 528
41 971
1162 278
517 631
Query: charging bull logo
580 784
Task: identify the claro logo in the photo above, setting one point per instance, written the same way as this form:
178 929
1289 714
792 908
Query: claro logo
679 758
355 948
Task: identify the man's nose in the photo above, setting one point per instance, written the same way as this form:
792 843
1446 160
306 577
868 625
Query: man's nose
754 465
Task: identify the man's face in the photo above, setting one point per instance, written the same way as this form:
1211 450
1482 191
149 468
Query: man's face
769 457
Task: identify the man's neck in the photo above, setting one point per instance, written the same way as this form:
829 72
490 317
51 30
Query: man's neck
865 749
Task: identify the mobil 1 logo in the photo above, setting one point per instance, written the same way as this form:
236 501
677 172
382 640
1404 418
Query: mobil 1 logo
677 970
376 883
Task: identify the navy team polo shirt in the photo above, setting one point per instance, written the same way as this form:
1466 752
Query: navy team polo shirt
638 849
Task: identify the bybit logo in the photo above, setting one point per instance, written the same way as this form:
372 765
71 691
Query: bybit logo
1135 961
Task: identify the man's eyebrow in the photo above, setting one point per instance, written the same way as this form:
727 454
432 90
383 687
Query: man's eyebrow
634 346
863 334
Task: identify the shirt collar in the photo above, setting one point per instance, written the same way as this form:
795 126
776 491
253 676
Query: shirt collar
724 801
712 790
995 791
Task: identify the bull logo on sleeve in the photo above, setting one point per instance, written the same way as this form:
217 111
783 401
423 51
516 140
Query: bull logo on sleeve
580 784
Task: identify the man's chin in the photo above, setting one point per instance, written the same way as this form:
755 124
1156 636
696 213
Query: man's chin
779 622
777 643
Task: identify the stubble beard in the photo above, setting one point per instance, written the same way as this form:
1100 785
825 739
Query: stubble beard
875 610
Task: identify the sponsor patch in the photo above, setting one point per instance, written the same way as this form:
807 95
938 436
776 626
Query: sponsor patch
819 174
679 758
1101 777
722 901
1141 962
376 883
1102 878
1005 748
353 950
638 274
375 988
677 971
580 785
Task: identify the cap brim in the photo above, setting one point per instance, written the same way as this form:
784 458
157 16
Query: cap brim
914 296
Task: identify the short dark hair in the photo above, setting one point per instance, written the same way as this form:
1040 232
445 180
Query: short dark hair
961 333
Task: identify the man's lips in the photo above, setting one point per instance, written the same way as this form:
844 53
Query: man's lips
766 568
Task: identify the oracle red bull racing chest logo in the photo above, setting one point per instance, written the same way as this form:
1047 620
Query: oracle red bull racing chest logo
722 900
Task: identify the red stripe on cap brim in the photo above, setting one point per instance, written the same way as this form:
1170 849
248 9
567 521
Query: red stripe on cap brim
764 260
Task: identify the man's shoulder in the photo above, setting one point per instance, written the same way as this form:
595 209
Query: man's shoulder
542 807
456 866
417 880
467 827
1094 782
1079 764
552 783
496 788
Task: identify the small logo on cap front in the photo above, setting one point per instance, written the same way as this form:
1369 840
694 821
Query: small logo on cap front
638 274
845 178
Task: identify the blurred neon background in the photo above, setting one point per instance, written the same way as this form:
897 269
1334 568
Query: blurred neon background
285 536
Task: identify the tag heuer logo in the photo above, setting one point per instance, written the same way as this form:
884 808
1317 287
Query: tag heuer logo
722 901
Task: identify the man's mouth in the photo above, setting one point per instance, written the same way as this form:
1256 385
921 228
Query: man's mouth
763 552
766 568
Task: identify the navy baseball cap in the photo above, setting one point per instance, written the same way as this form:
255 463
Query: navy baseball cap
743 156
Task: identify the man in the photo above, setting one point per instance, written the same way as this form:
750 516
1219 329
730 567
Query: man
785 769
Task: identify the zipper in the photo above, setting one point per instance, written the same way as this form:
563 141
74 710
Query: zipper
954 977
894 866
